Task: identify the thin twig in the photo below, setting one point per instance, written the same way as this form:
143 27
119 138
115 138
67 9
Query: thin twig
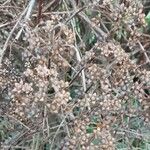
48 5
77 52
14 147
6 24
39 11
143 50
82 72
61 124
100 32
53 12
6 2
10 35
75 77
30 8
9 116
27 17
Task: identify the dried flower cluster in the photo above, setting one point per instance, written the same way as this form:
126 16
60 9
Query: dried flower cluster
76 88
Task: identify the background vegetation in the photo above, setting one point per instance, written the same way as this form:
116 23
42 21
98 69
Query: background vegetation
74 75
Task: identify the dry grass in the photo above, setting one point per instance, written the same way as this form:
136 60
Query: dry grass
74 75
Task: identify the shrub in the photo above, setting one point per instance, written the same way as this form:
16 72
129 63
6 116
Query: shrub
74 75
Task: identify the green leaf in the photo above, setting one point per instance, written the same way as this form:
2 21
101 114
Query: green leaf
96 141
122 146
89 129
119 34
95 119
147 18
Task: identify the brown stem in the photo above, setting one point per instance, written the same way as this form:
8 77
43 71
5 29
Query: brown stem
39 11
